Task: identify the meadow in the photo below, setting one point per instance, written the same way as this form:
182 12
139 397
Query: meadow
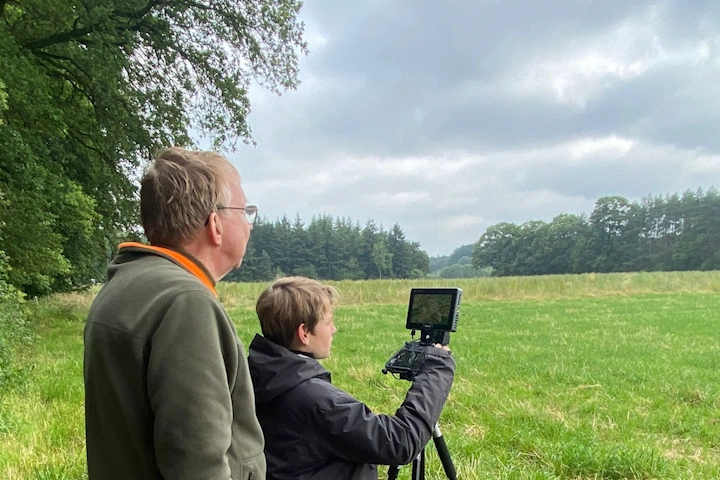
609 376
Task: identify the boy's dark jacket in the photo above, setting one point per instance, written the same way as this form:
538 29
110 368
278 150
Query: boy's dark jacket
313 430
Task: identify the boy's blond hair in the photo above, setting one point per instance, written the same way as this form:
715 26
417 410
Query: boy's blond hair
290 302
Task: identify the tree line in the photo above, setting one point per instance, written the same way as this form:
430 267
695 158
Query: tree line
670 232
331 249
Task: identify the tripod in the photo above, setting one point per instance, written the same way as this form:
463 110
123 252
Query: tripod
418 464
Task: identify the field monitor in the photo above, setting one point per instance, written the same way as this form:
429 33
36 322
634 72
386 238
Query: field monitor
434 312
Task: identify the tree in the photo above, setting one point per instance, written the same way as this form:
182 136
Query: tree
278 245
670 232
14 329
616 226
531 249
566 244
345 245
710 237
381 258
369 236
401 255
323 252
328 249
419 261
461 254
93 87
496 248
697 247
301 263
439 262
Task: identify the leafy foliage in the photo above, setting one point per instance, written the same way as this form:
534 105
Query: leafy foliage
90 88
659 233
14 328
3 98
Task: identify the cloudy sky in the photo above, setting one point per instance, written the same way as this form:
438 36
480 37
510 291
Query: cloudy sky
448 117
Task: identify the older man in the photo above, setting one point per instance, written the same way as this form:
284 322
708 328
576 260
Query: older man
167 389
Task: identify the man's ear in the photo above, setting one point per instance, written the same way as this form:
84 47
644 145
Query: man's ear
302 334
213 229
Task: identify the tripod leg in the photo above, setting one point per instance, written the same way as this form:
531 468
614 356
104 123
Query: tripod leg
418 466
443 453
393 472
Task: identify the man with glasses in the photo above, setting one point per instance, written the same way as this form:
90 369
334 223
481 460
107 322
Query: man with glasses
167 389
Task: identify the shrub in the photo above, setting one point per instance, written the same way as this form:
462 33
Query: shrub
14 328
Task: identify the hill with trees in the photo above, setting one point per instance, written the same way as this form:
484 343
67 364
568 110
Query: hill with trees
457 265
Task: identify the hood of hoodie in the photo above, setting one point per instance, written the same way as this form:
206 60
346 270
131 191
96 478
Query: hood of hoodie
275 369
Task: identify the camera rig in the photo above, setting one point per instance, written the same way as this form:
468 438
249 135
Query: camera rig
434 312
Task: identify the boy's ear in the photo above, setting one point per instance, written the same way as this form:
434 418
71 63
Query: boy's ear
302 334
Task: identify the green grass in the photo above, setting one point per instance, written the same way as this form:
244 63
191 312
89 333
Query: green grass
42 434
567 377
612 387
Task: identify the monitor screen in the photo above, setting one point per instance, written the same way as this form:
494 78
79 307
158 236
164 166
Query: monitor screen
434 308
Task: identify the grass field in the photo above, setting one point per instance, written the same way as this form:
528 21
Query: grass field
565 377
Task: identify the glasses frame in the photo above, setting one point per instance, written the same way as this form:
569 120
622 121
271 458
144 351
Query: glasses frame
251 212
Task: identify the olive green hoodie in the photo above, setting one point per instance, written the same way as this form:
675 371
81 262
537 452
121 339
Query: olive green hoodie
167 389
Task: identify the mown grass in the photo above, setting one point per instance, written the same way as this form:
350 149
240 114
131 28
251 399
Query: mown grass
568 377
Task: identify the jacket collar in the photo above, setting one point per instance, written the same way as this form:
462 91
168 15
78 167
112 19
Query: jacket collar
184 259
275 369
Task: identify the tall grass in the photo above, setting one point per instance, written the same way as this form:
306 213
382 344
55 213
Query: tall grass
369 292
42 432
569 377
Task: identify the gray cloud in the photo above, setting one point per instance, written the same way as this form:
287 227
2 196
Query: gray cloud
449 117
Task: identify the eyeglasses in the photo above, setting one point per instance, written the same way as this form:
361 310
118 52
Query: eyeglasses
251 212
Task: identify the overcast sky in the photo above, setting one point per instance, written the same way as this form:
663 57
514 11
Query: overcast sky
448 117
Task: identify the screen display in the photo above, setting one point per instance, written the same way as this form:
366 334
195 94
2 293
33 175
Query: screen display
432 309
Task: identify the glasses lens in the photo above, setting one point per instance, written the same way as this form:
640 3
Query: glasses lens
251 212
